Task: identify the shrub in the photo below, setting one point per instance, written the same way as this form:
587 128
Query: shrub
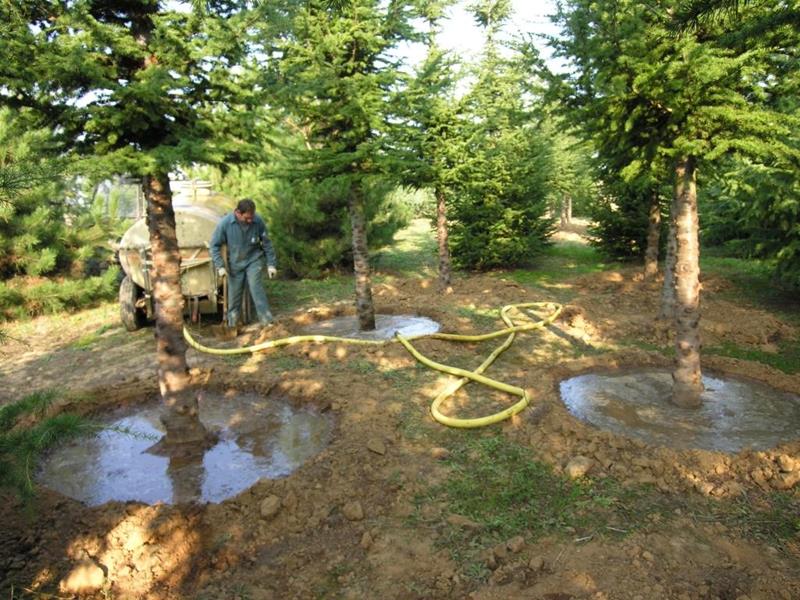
27 297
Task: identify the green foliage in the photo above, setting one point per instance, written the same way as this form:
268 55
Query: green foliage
753 211
499 207
310 223
32 228
21 445
25 297
648 92
619 222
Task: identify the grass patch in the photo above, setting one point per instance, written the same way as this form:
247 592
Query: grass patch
21 447
287 362
414 252
787 359
497 485
482 318
753 280
291 295
773 518
560 263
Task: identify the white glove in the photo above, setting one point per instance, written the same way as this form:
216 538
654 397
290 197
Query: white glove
272 272
221 272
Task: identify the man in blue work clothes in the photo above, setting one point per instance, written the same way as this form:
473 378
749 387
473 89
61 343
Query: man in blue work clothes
249 250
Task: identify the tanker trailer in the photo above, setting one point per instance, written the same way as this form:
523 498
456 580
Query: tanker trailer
197 212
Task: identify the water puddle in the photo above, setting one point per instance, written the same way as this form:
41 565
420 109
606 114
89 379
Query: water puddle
735 414
259 437
385 327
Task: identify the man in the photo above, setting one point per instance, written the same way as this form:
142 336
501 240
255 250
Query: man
249 249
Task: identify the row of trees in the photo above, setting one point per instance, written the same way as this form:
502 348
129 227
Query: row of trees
665 91
142 88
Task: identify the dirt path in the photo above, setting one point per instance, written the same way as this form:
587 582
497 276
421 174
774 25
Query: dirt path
365 518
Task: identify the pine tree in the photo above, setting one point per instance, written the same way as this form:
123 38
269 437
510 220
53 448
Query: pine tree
32 228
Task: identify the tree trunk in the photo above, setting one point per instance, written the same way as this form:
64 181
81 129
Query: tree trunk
687 378
364 306
441 236
653 237
566 210
179 415
667 311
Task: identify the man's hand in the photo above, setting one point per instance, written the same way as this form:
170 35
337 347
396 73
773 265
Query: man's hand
271 272
221 272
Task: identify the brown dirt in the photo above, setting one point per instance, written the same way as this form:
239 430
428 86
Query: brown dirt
343 529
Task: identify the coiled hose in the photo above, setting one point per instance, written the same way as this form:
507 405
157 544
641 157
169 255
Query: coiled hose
464 375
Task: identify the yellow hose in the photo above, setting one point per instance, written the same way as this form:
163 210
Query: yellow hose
477 375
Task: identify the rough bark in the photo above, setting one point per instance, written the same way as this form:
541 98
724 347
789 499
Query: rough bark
653 238
179 398
365 309
667 311
442 235
686 376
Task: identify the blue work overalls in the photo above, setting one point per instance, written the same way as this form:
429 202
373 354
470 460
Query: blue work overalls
249 249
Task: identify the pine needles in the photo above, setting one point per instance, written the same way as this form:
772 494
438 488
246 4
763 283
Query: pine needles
21 445
53 296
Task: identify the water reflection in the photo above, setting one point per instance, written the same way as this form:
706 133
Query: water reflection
735 413
258 438
385 327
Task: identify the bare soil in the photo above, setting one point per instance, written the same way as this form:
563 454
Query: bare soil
353 521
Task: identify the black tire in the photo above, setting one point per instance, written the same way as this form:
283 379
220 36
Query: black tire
133 318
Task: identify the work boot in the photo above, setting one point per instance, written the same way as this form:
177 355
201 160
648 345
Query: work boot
266 319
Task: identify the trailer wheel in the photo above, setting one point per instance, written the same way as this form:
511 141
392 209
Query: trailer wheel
133 318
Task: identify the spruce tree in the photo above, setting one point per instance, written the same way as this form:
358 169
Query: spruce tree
432 132
500 207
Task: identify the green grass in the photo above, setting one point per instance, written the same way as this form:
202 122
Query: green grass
497 484
752 280
413 254
772 518
787 359
561 262
291 295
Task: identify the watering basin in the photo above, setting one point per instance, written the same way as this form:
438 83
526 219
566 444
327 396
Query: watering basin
735 413
259 437
385 327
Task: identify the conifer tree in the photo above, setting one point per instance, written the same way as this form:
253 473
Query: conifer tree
32 228
143 86
336 78
500 211
690 98
433 131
